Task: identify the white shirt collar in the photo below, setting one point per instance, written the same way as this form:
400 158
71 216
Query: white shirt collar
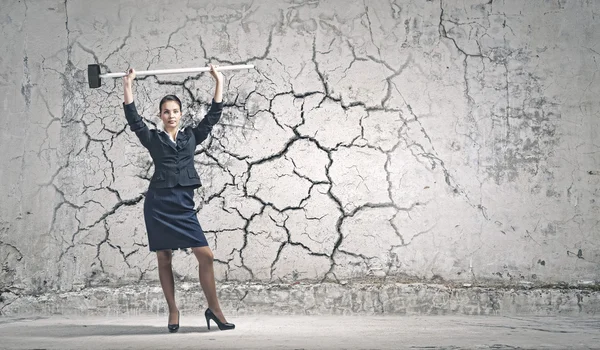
160 128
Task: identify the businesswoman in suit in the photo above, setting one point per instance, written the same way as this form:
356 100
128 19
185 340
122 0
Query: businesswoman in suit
169 214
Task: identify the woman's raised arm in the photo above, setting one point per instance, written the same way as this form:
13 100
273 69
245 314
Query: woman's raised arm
136 123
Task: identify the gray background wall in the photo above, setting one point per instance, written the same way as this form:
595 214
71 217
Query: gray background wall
377 142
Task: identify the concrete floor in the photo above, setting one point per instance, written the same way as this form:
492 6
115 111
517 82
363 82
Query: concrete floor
303 332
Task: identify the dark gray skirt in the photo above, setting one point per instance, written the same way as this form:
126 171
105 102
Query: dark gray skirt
170 218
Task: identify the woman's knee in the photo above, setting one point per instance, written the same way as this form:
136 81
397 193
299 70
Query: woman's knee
204 255
164 258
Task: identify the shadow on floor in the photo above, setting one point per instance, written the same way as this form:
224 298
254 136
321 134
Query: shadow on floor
76 330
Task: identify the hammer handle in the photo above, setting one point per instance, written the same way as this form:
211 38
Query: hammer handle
177 71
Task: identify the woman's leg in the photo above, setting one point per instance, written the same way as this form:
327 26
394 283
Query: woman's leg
207 280
165 274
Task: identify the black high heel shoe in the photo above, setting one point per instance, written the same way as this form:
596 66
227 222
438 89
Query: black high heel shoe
209 315
174 327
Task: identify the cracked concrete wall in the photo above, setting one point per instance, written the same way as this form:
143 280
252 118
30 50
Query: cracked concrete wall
417 141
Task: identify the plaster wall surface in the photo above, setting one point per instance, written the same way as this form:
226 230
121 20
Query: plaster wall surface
450 143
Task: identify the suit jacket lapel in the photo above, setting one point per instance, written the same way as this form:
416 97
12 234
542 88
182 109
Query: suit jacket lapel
182 139
164 138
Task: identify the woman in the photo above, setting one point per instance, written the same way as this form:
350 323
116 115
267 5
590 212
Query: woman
169 214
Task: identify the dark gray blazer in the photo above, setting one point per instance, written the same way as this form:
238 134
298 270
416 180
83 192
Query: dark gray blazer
173 163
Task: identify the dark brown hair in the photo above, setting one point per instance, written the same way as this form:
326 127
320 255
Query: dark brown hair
167 99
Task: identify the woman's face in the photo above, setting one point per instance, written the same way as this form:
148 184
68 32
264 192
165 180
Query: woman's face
170 114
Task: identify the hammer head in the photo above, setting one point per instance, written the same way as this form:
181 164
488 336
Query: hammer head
94 76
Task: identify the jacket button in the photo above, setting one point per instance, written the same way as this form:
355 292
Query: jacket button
177 171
